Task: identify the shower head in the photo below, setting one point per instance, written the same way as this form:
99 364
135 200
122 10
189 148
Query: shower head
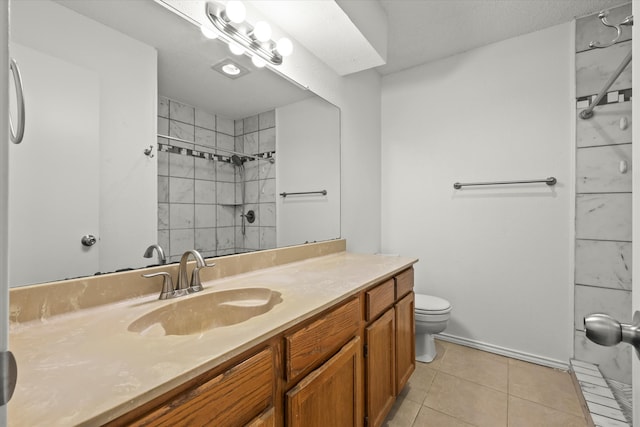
236 160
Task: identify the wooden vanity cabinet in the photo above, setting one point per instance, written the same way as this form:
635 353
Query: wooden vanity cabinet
266 419
241 395
380 367
327 355
389 344
405 328
405 340
343 367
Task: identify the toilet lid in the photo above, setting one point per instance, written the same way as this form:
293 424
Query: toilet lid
430 303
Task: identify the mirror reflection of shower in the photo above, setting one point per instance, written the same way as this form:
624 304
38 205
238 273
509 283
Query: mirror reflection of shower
246 216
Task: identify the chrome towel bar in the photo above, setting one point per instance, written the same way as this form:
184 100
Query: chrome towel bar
323 192
549 181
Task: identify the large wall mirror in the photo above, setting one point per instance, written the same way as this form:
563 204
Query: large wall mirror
134 137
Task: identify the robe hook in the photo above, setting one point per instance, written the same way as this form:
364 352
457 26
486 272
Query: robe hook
603 17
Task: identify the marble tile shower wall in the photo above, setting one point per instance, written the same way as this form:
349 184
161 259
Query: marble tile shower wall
603 193
198 193
256 135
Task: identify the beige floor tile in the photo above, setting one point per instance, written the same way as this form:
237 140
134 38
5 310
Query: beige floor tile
477 366
427 417
467 401
547 386
413 394
422 377
523 413
402 414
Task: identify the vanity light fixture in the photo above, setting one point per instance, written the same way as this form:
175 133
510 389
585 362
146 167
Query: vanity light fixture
242 37
209 32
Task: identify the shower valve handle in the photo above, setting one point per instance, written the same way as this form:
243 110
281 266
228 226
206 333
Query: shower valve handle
604 330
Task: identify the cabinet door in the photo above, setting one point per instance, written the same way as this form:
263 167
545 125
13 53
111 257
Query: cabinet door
332 394
266 419
405 341
381 368
233 398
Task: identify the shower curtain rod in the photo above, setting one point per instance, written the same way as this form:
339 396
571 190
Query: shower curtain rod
224 150
587 113
549 181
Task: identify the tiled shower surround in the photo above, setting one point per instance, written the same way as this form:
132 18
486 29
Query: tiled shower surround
199 188
603 194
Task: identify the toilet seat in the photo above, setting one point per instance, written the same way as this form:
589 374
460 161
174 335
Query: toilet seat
428 304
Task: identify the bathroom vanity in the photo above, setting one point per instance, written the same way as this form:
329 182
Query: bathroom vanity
334 346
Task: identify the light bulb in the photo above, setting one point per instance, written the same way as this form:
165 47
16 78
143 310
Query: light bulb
236 49
208 32
262 31
235 10
258 62
284 46
231 69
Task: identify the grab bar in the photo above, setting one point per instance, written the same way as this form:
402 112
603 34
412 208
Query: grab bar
549 181
587 113
17 135
323 192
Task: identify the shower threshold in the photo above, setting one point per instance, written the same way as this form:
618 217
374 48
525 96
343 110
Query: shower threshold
608 401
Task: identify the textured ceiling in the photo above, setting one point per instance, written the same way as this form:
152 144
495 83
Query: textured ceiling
425 30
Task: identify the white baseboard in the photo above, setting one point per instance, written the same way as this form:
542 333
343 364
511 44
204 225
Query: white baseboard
515 354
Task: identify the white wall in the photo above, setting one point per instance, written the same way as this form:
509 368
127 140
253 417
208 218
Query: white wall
501 255
127 71
359 102
308 158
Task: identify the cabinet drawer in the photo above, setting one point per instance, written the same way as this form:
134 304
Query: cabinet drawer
234 397
404 283
314 343
379 298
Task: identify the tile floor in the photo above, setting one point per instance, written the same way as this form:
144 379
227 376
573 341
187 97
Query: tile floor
466 387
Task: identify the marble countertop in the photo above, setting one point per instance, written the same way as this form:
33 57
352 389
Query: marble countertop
86 367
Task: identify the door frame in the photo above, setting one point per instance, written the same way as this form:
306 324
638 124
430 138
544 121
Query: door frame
635 221
4 185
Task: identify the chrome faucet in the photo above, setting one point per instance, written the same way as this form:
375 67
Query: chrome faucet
182 288
149 253
168 290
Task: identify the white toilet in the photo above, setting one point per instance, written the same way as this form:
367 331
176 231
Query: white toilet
432 314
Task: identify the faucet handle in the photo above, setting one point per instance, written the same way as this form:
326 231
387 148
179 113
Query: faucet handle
167 284
196 285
